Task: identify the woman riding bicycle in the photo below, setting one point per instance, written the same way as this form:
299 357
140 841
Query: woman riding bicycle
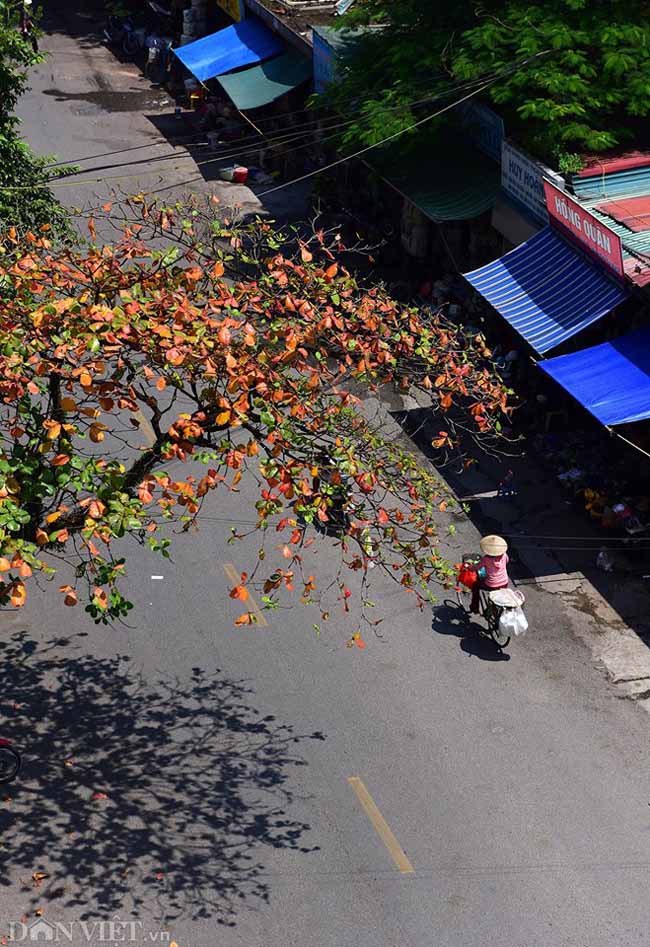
492 569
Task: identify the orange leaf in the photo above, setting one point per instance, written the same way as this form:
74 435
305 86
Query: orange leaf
174 357
85 378
53 429
217 270
59 461
100 598
286 552
70 598
245 619
240 592
18 594
442 506
161 384
24 571
144 492
96 432
331 271
4 564
305 255
222 418
96 509
41 537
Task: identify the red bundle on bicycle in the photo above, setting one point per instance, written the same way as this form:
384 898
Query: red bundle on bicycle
467 576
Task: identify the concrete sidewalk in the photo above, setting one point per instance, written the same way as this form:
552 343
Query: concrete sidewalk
553 550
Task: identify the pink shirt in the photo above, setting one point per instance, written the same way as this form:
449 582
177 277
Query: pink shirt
496 570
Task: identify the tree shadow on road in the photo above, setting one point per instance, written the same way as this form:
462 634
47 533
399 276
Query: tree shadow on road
137 795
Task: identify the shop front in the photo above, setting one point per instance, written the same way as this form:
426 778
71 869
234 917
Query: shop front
561 280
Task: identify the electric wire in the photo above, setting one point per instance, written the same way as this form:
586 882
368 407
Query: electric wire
479 88
258 143
339 161
259 121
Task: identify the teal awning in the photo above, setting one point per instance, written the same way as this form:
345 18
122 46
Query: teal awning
260 85
444 176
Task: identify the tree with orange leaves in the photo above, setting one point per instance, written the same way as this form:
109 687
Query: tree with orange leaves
238 352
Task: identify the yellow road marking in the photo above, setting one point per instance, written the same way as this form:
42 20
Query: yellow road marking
146 428
253 607
381 827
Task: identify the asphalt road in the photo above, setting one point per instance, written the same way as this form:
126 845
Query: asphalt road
267 786
87 107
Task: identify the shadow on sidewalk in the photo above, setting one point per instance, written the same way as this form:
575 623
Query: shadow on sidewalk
552 543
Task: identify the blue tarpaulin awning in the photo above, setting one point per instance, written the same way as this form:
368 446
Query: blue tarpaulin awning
547 290
238 45
611 380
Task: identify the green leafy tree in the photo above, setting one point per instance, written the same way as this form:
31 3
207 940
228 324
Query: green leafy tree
25 199
587 92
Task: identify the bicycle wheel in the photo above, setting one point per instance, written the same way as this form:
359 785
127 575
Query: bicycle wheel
491 615
9 764
463 597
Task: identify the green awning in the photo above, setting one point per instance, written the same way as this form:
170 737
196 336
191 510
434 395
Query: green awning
444 175
260 85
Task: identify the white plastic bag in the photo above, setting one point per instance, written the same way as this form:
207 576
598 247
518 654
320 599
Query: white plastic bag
521 622
512 621
507 622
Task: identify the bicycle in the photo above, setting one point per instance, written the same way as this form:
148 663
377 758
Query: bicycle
10 761
492 603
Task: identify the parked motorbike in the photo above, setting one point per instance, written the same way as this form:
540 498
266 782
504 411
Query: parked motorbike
133 37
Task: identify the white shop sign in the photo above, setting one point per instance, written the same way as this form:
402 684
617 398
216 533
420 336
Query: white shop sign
523 178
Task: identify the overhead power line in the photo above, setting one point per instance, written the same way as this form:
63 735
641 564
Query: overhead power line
474 91
397 134
254 143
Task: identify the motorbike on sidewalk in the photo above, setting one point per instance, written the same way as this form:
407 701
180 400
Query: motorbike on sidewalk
133 37
501 609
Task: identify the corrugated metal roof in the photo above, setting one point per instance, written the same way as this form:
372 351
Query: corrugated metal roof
601 186
446 178
605 196
632 212
607 164
547 290
636 248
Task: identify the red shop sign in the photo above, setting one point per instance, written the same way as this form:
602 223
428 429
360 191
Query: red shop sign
581 226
